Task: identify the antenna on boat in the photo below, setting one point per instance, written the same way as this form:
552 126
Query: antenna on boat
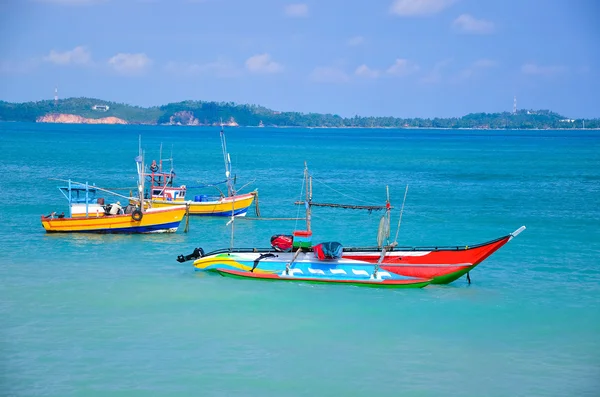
400 219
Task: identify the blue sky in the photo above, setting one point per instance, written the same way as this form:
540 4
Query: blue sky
403 58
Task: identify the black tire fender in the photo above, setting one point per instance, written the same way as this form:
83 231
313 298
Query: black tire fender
137 215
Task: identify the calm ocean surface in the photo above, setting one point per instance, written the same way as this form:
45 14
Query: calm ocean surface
97 315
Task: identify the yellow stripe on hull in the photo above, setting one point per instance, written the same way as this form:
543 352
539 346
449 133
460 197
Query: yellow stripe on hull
222 261
221 207
153 221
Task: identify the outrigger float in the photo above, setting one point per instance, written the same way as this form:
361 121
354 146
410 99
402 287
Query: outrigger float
163 194
436 265
89 213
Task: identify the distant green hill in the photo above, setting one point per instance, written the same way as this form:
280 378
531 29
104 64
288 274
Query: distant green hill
211 113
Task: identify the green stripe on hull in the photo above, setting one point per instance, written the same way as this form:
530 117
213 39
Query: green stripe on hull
450 277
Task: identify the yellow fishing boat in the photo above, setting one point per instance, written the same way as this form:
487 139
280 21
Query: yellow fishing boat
217 206
89 214
163 194
152 220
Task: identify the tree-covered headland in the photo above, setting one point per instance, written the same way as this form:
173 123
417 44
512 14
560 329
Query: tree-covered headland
212 113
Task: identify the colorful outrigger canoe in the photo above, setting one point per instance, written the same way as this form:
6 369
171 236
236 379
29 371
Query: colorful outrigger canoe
440 265
303 266
437 265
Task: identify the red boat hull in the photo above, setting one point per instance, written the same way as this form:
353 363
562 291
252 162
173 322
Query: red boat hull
442 264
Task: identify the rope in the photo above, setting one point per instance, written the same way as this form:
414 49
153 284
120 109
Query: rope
249 218
298 212
400 219
341 193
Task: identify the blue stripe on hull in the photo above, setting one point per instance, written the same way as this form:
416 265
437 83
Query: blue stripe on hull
127 230
226 213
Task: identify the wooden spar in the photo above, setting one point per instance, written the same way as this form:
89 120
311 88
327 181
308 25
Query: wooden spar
249 218
309 203
308 195
187 217
350 206
256 209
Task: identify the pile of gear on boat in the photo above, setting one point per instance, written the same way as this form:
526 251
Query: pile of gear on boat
284 243
108 209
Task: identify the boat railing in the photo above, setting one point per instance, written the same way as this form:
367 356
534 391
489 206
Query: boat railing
241 251
424 248
361 249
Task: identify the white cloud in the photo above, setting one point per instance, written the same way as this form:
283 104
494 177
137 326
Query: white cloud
484 63
419 7
402 67
538 70
475 68
365 71
435 76
296 10
262 63
72 2
468 24
327 74
355 41
129 63
77 56
219 68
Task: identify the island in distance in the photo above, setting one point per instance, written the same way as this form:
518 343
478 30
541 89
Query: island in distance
202 113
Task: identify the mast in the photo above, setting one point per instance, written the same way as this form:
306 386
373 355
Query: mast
160 159
307 203
139 161
383 233
227 162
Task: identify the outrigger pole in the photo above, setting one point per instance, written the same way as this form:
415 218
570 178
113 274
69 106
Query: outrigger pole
310 203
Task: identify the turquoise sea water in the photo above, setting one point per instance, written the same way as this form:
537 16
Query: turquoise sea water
97 315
